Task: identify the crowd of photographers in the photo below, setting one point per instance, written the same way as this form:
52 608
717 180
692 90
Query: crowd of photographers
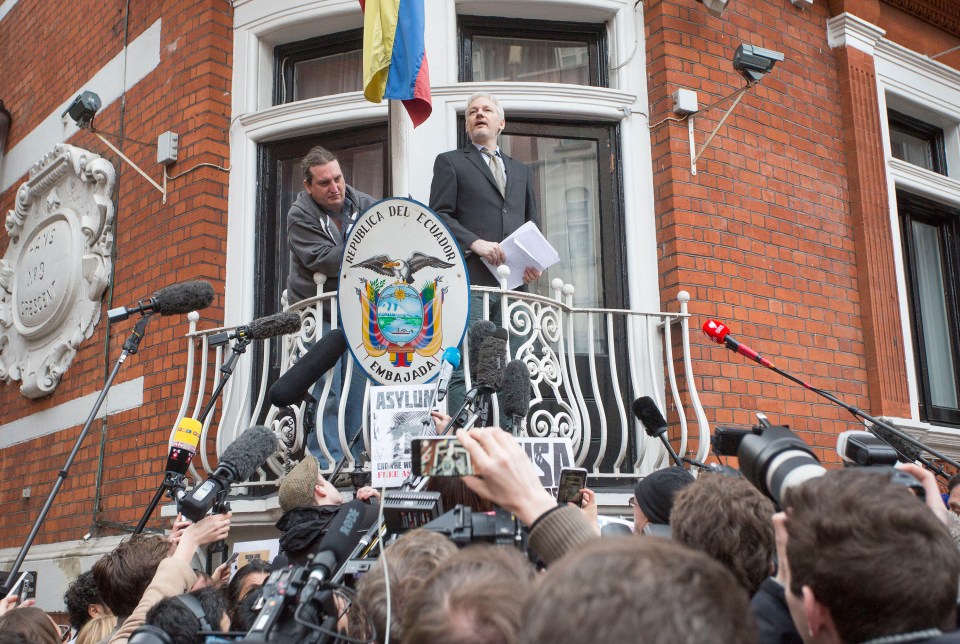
853 556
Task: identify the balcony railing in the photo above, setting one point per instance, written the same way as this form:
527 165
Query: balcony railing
587 365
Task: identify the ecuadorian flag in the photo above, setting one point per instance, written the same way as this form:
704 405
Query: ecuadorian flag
394 59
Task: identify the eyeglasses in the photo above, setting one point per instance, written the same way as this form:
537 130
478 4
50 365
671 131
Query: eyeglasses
632 501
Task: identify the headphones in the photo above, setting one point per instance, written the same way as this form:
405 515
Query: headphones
149 634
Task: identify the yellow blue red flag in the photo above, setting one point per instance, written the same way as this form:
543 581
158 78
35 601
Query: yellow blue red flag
394 58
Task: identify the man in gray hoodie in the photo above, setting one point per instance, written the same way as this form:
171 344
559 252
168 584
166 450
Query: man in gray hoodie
317 223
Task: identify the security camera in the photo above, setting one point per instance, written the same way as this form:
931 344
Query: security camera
715 7
754 63
83 109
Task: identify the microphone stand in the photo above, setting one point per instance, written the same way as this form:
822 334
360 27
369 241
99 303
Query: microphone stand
130 347
860 414
173 482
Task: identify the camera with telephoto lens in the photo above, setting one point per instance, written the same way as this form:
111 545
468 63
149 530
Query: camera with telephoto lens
775 459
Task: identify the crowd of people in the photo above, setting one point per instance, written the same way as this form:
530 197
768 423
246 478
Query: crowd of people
853 556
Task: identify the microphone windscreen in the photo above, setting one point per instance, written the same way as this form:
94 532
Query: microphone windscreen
452 355
516 389
716 331
251 450
297 380
490 363
479 331
909 450
351 522
649 416
274 325
183 297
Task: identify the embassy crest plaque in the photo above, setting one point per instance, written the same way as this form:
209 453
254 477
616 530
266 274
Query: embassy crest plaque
404 291
56 266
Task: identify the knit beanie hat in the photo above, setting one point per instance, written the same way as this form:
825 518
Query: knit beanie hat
296 489
655 492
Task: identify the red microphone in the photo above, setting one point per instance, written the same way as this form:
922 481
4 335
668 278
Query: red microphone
719 333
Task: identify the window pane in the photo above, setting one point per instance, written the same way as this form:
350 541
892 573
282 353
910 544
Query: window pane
933 315
565 174
911 149
334 74
530 60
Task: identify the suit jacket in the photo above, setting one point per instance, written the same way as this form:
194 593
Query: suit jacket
465 195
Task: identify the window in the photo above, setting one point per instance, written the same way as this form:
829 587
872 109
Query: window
931 243
534 52
331 64
916 142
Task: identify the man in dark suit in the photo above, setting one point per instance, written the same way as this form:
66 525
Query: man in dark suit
483 196
467 193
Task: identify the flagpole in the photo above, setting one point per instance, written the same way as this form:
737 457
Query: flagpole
399 128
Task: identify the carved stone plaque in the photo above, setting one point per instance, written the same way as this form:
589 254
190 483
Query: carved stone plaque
56 266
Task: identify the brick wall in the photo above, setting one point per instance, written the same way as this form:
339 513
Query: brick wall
156 244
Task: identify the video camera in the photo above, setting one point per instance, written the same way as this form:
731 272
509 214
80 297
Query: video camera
775 459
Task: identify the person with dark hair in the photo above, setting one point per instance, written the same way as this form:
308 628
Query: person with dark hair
654 495
409 560
28 624
730 520
624 589
243 614
122 575
83 601
474 597
953 493
317 223
247 578
178 616
865 560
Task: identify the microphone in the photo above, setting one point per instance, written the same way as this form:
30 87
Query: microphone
654 424
516 393
479 331
908 451
350 524
293 385
263 328
184 446
451 361
490 368
239 461
720 334
170 300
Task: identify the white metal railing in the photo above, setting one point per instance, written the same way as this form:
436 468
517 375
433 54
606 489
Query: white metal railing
581 393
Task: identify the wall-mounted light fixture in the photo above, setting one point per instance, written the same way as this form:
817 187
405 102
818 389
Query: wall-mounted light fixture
84 108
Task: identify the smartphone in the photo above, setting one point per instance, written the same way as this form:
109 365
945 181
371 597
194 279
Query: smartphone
25 588
572 480
440 456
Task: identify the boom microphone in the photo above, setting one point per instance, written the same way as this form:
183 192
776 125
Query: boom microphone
720 334
293 385
170 300
350 524
184 445
263 328
239 461
516 393
654 424
490 362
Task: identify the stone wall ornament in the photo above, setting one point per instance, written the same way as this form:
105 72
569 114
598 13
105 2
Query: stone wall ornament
56 267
